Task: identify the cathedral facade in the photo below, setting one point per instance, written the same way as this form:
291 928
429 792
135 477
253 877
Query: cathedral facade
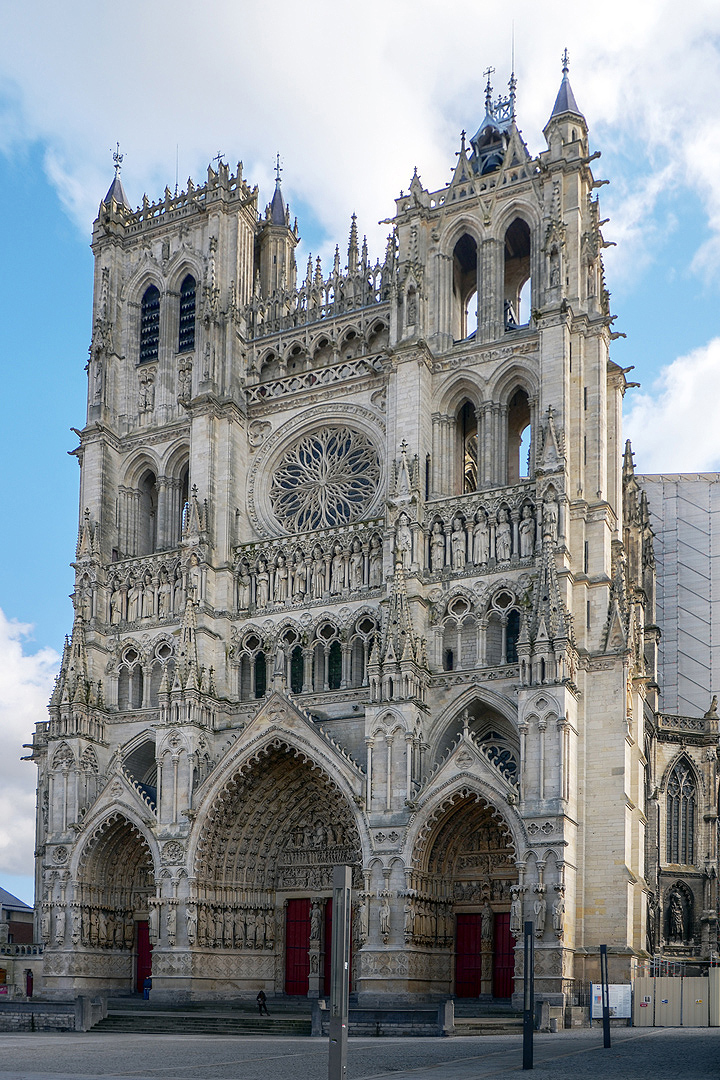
362 578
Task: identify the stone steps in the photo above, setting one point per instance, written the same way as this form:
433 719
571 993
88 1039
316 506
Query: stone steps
156 1022
489 1025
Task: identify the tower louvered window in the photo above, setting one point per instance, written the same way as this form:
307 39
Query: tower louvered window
681 815
149 325
186 336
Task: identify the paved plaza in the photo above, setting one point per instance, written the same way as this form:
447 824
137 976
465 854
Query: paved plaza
656 1053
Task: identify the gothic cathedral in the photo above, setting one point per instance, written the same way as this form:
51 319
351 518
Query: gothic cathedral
362 577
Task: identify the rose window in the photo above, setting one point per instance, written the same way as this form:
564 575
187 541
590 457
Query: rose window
325 479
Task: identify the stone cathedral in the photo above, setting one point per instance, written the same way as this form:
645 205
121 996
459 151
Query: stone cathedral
364 575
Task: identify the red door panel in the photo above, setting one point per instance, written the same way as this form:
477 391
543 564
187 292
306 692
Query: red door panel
468 961
504 957
144 955
297 944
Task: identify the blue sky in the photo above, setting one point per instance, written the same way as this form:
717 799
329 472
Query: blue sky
353 98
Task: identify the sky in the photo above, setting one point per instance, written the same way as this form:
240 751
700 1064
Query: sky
353 97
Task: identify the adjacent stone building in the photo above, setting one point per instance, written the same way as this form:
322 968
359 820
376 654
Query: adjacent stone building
360 578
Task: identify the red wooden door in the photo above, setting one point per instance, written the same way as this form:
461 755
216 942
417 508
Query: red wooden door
504 957
297 944
468 961
143 967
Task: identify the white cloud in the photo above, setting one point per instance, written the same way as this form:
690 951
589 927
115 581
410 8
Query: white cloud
353 96
26 681
673 429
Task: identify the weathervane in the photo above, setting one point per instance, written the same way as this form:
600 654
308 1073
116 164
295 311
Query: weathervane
117 159
278 168
565 62
488 89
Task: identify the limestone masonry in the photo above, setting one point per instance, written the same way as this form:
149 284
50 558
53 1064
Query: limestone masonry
365 575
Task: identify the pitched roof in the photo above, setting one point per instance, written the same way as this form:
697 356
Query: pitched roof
7 900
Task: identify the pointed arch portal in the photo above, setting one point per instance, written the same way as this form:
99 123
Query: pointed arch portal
467 852
274 834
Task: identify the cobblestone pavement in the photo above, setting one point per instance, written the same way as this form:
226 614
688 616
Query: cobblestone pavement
655 1054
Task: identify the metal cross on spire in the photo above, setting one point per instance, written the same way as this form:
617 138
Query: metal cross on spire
488 88
565 62
117 159
219 158
278 168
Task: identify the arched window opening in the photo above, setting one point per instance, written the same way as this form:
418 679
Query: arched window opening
513 633
519 434
448 660
468 437
186 331
149 325
493 641
681 815
517 275
296 670
260 675
147 515
335 666
184 497
464 287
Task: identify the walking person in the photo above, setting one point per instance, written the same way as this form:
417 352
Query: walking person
262 1003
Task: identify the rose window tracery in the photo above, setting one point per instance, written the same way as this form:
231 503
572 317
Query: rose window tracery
326 479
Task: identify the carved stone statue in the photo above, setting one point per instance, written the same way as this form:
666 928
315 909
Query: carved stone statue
337 571
409 911
486 922
318 573
148 598
403 542
262 584
677 918
315 922
550 519
526 529
481 539
134 595
384 917
281 580
59 926
171 921
153 923
116 604
540 911
299 578
558 915
244 584
437 547
164 596
503 536
356 565
457 543
191 922
516 913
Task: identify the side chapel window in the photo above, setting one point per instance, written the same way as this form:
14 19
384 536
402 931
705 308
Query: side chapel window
681 815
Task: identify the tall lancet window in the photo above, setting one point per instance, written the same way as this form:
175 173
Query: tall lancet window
681 815
186 335
149 325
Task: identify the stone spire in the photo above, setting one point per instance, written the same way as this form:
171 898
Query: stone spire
565 101
353 247
116 191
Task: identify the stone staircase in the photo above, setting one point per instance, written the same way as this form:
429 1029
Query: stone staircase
473 1017
138 1017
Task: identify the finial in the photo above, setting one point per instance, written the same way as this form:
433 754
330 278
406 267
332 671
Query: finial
512 86
565 62
488 88
278 168
117 159
463 133
219 158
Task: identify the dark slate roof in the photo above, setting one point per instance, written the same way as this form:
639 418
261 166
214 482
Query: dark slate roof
117 192
277 207
565 101
7 900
